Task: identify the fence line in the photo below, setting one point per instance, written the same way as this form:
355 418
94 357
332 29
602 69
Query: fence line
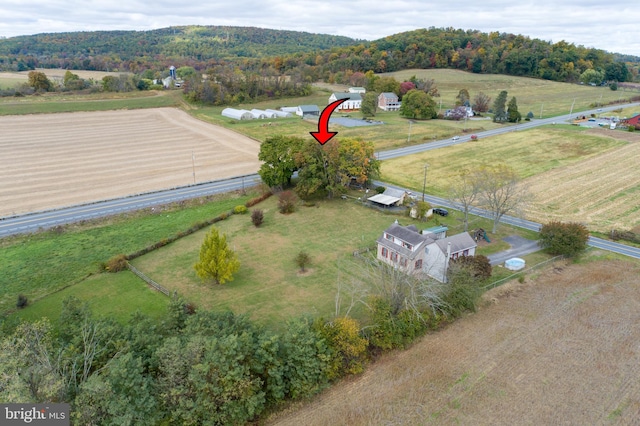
148 280
536 266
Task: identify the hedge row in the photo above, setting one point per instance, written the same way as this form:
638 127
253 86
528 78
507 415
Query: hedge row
194 228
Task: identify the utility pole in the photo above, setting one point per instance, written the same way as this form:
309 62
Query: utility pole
193 165
541 106
409 136
424 183
571 111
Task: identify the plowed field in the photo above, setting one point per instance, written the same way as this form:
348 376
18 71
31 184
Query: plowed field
55 160
602 191
563 349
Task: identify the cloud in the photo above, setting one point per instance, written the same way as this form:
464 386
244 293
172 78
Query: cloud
586 22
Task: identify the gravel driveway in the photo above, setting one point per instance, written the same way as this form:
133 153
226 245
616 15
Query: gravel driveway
519 247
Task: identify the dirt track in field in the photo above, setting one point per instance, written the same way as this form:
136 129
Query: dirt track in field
55 160
564 349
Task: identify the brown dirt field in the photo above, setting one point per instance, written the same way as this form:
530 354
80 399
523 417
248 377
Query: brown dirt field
602 191
55 160
563 349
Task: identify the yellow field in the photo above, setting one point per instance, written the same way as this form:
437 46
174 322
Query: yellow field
602 191
55 160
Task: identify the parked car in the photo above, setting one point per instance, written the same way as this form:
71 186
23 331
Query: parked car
474 137
441 212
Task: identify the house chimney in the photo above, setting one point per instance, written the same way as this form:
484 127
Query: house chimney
446 263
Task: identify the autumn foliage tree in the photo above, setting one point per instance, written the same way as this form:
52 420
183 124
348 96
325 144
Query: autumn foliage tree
418 105
217 261
568 239
39 81
330 168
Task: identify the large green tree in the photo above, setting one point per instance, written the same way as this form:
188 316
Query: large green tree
217 261
330 168
369 104
417 104
499 105
513 116
278 154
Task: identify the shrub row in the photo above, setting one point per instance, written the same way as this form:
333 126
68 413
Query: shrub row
115 263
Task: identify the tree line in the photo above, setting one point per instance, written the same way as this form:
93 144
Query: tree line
316 57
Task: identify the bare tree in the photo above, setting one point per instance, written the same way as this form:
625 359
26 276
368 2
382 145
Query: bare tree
464 193
500 191
415 292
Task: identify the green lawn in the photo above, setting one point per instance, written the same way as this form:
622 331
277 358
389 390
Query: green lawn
39 264
552 97
107 295
57 102
269 286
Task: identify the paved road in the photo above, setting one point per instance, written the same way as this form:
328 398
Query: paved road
42 220
48 219
525 224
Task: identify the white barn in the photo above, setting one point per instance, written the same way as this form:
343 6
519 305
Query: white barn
237 114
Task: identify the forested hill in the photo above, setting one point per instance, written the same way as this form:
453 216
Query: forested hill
107 49
312 56
475 51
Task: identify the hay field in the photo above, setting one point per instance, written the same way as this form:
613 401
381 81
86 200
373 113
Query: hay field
55 160
562 349
602 191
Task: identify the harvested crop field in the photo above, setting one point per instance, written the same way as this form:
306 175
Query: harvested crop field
563 349
55 160
602 191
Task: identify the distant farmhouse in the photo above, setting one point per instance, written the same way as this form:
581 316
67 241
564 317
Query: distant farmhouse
427 252
353 101
388 101
360 90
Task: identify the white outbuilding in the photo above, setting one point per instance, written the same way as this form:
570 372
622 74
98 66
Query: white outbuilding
281 114
261 114
237 114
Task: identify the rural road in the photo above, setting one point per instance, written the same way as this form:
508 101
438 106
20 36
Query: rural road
47 219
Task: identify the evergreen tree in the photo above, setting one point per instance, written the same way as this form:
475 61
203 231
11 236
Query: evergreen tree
513 116
217 261
499 112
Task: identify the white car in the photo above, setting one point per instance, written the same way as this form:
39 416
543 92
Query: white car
455 138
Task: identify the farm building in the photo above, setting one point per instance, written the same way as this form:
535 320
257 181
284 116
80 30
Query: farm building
357 90
237 114
352 102
306 110
633 121
291 110
412 251
388 101
261 114
390 197
282 114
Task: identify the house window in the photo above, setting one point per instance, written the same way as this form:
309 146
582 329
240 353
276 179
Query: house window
388 237
394 256
407 245
454 256
465 253
403 261
418 264
384 252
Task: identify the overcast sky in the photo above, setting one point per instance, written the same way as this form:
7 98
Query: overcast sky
608 25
